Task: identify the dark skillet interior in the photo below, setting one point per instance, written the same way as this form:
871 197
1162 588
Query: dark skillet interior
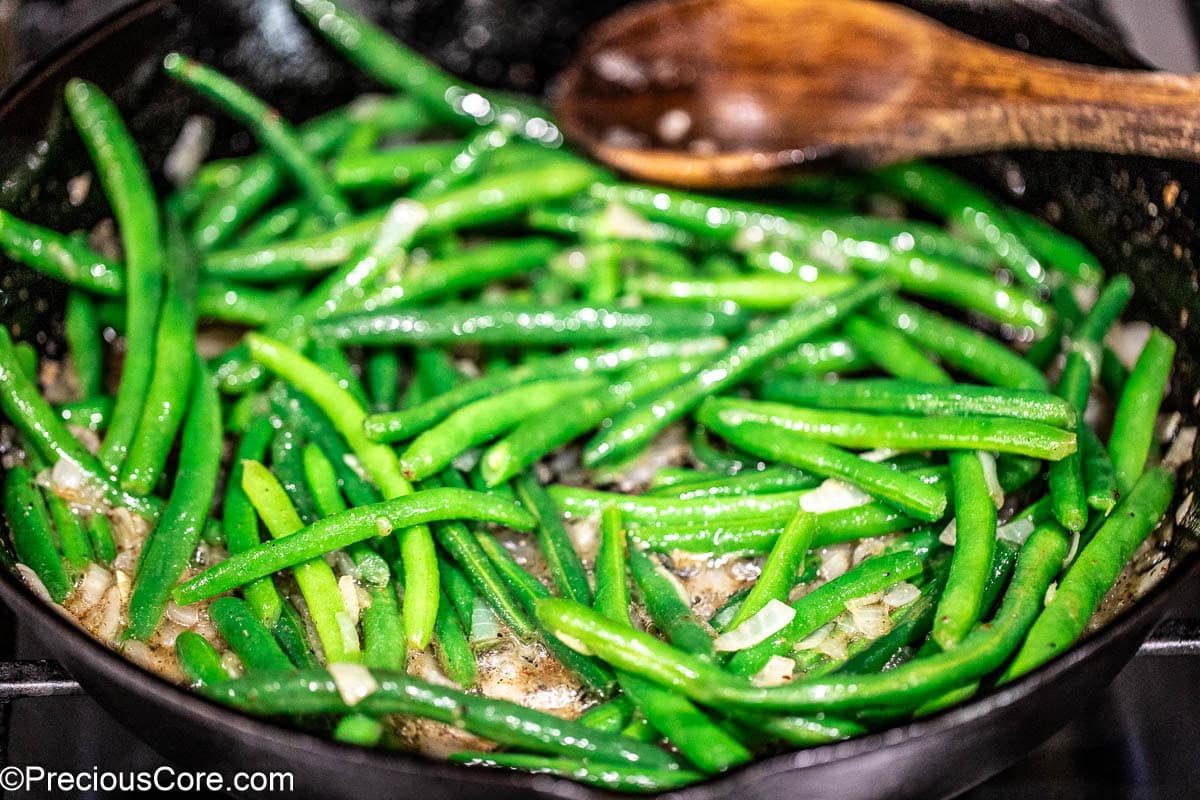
1138 215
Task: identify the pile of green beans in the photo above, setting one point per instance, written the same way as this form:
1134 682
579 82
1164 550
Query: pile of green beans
430 292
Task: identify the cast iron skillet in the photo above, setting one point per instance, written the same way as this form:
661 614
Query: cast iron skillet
1138 215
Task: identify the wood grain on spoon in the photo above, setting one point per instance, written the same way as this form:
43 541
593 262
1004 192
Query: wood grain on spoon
725 93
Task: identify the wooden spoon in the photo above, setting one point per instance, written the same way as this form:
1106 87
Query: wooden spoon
725 93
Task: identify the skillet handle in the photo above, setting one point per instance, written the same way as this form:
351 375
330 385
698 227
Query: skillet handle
1173 637
20 679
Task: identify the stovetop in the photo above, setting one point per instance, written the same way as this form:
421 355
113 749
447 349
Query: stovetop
1138 739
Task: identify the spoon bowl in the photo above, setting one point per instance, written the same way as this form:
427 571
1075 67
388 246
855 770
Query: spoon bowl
727 93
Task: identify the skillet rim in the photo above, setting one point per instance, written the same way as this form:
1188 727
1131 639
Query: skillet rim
1141 616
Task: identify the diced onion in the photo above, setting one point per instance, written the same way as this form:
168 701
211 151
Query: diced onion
354 681
189 150
1016 531
872 621
872 599
485 625
349 590
988 461
772 618
949 534
1180 451
814 639
346 628
95 582
777 671
901 594
833 495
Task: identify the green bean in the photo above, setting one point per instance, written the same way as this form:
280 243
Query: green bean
893 352
1060 251
127 184
961 347
962 287
1093 573
612 586
903 236
267 126
650 510
608 717
332 359
668 606
969 209
287 447
904 397
171 544
225 301
685 726
416 543
409 422
371 568
1067 485
322 483
981 652
475 154
823 357
247 637
341 530
757 292
491 199
314 691
72 534
241 520
32 534
848 429
685 484
90 414
103 545
528 591
574 416
1113 374
174 345
357 487
82 330
528 325
458 591
359 729
289 631
448 98
610 777
199 660
634 428
316 580
27 359
824 604
906 492
388 247
476 266
383 379
698 738
1098 476
1133 424
453 649
382 626
253 181
781 567
274 225
63 258
462 545
395 168
565 567
961 603
485 419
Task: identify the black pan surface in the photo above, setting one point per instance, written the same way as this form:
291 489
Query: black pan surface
1138 215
